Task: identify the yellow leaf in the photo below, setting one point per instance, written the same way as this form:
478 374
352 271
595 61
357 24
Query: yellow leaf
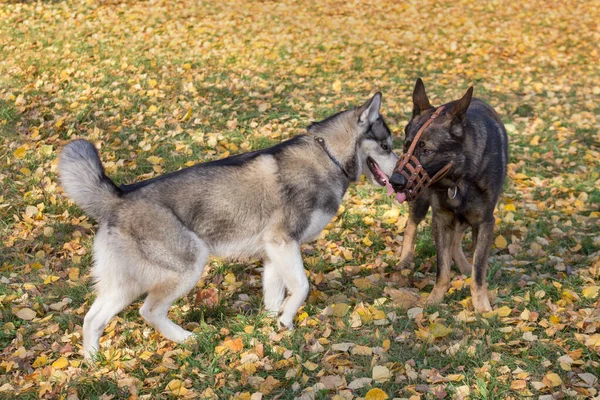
145 355
229 278
59 123
392 213
510 207
363 283
40 361
176 388
249 329
518 384
590 292
376 394
362 350
455 377
439 330
46 150
51 279
36 265
74 274
501 242
31 211
378 314
368 220
301 71
187 115
236 345
340 309
152 109
386 344
302 316
521 177
503 311
20 152
381 374
552 379
154 160
311 366
243 396
367 242
337 86
60 363
347 254
535 141
26 313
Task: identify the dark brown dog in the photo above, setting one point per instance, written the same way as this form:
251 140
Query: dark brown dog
468 137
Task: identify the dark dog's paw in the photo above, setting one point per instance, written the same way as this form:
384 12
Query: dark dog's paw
404 264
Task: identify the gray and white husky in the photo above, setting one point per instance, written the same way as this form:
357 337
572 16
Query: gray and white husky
155 236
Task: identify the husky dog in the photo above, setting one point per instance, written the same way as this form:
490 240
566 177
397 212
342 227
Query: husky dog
155 236
463 146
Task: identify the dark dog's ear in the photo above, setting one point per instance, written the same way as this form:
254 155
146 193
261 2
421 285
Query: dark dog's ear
369 112
458 111
420 100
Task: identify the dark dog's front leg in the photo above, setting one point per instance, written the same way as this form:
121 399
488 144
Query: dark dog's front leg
418 211
460 260
443 232
485 237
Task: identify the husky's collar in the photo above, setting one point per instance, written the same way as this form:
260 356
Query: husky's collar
321 142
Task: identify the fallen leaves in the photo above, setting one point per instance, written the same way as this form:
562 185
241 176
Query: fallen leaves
61 363
159 87
376 394
175 388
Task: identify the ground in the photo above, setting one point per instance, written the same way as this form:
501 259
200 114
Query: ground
158 85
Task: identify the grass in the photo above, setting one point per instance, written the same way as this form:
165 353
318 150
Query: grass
189 82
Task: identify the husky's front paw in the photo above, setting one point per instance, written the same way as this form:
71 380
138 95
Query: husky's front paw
271 313
283 324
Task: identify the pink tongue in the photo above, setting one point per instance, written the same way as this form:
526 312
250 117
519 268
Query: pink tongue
389 188
401 197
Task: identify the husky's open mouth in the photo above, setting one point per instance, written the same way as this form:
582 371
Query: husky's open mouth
378 174
383 179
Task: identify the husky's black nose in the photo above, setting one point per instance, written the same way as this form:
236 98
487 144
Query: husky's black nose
398 181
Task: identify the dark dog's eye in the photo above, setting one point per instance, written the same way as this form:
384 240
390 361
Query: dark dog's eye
385 147
426 152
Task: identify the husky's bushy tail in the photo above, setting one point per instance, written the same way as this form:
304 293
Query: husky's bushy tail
83 178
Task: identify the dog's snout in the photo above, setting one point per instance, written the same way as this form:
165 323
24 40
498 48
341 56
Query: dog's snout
398 181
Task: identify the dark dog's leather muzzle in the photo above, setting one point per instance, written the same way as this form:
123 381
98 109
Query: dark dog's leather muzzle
416 179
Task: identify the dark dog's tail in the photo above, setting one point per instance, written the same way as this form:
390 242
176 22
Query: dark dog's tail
83 179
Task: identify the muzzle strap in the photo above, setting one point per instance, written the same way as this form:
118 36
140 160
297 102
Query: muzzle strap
409 166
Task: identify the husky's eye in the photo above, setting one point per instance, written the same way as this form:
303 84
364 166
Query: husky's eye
385 147
426 152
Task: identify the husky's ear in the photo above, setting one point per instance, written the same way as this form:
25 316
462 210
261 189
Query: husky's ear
458 112
369 112
420 100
